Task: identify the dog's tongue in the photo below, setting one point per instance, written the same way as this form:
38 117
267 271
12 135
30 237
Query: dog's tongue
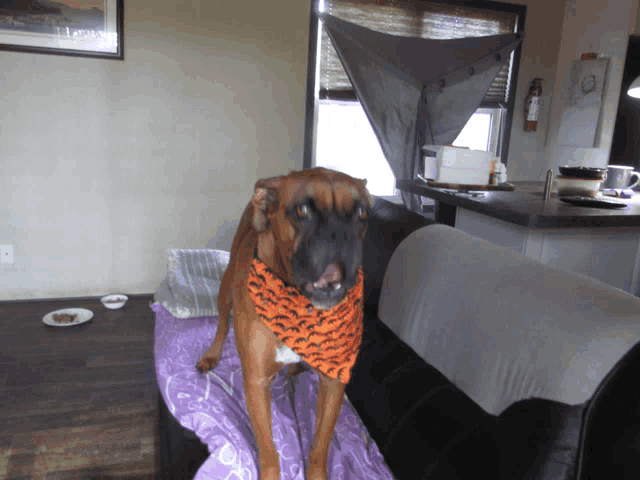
331 275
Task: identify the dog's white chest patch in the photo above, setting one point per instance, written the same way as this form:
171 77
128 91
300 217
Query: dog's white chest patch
285 355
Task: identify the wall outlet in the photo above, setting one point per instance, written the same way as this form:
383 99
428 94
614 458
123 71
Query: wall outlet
6 253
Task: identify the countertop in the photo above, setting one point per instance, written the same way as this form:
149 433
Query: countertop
525 206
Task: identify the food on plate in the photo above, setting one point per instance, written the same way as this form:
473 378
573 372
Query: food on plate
64 317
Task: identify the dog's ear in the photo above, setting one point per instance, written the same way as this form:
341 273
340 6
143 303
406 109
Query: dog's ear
367 196
265 201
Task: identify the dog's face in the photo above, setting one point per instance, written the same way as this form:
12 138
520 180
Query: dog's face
311 228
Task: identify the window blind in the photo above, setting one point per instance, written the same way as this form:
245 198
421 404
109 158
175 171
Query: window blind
413 18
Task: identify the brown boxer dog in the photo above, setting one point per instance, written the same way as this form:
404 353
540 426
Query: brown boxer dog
308 229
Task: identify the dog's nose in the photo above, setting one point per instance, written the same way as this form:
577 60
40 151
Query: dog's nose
331 278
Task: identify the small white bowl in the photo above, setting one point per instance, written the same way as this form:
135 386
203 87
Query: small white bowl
114 301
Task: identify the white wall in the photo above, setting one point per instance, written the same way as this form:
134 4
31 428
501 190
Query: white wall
106 164
543 33
600 26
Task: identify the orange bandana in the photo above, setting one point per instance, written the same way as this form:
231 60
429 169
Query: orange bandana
328 340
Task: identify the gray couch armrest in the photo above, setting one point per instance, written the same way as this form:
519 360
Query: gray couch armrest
501 326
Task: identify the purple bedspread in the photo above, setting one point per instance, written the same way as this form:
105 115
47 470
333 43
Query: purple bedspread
213 407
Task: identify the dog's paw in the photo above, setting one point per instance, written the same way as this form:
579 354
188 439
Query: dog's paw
315 473
207 363
317 467
270 467
272 473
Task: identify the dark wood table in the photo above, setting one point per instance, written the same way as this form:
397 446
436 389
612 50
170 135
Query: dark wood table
524 206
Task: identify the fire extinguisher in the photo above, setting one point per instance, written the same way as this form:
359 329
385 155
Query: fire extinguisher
532 105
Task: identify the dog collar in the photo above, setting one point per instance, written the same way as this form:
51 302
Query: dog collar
328 340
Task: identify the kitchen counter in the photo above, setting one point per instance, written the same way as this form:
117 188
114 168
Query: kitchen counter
525 207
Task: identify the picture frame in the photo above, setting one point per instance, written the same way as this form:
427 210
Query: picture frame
87 28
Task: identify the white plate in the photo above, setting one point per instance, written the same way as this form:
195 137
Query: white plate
82 315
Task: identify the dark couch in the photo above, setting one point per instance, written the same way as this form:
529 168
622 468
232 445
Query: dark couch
427 427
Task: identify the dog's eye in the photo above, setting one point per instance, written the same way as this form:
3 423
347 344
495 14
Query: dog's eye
302 211
361 212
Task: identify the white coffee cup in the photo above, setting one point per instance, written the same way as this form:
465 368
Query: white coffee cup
618 176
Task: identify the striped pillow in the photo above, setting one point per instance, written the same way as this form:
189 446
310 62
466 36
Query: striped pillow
191 286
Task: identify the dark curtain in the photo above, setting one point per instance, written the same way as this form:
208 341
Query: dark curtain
417 91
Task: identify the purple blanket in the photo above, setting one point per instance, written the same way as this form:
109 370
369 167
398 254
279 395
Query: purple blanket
213 407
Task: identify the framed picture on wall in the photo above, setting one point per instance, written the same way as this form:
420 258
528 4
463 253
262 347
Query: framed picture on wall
89 28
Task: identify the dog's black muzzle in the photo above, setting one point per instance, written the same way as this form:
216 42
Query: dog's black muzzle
325 265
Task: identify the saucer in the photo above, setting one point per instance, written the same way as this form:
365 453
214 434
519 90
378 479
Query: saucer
82 315
596 202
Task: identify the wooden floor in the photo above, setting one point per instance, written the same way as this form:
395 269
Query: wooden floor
77 402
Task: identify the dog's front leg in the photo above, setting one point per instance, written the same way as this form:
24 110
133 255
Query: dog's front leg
258 396
211 357
256 347
330 398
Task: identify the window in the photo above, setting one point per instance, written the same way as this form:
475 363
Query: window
339 135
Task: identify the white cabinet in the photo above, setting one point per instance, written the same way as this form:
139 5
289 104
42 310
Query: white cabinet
609 254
